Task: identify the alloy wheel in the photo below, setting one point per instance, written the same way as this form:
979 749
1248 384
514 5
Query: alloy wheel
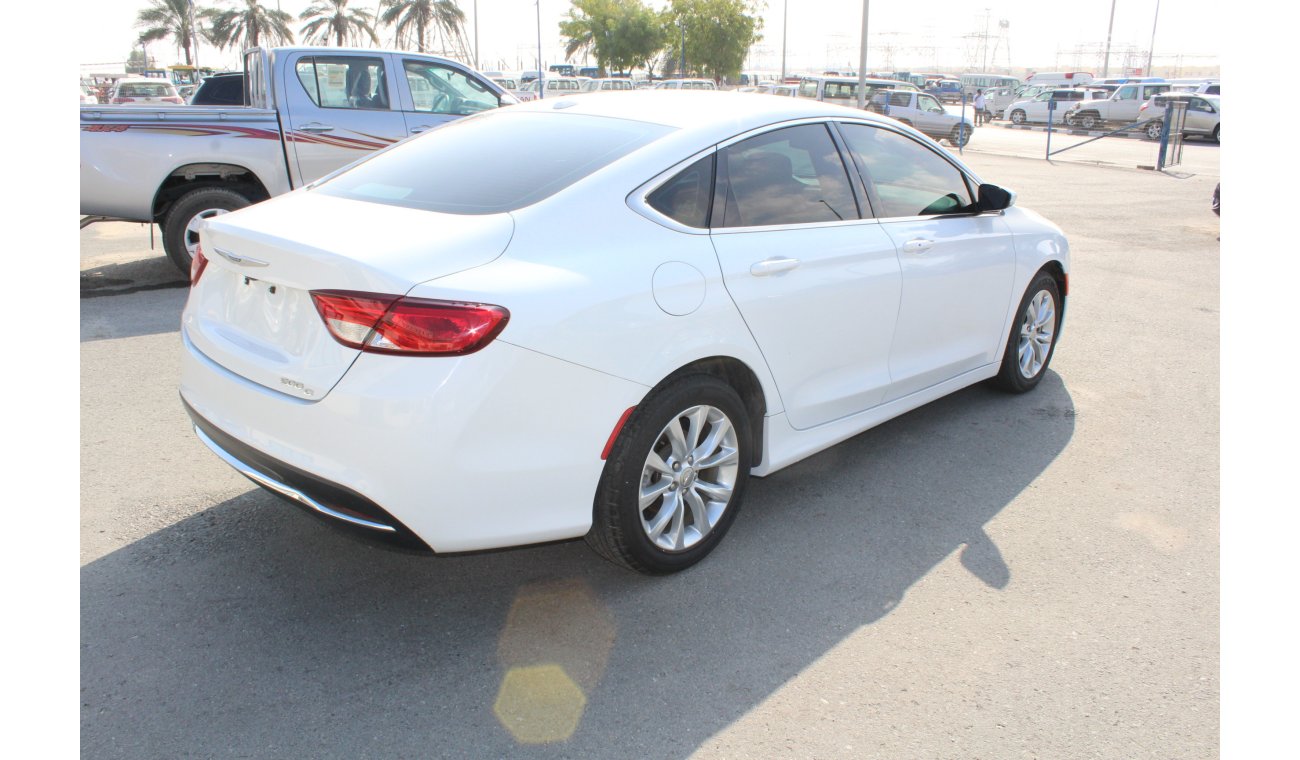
688 478
1037 328
192 228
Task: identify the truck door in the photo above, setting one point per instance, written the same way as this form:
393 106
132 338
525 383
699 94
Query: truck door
433 93
339 108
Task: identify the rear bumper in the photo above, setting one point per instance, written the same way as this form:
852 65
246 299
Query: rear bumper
495 449
337 504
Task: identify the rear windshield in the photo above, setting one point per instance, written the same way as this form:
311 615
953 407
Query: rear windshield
145 90
487 164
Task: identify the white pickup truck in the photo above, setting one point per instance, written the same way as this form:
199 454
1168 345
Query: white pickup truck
311 110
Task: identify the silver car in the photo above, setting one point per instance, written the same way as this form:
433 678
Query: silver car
924 112
1203 113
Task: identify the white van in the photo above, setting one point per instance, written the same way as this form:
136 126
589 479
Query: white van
1059 78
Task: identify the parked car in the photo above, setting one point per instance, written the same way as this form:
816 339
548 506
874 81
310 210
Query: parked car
141 91
686 84
844 90
1120 108
1035 110
312 110
555 87
946 90
1202 119
225 89
506 83
424 348
786 90
924 112
610 84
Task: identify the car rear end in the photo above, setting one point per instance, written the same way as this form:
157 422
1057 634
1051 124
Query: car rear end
146 93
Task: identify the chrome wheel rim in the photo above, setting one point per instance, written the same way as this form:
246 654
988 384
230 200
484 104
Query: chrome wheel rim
192 229
688 478
1038 326
1153 131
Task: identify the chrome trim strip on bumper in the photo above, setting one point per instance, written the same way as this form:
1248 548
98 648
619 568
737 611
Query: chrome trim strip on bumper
284 490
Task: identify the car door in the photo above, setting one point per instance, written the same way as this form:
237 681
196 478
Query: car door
1201 116
817 284
932 118
436 92
339 109
1125 103
957 266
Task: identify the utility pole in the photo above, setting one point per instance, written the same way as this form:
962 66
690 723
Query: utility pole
1105 65
862 57
785 25
476 59
541 74
1151 50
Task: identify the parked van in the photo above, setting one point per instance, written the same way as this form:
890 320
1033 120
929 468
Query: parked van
844 90
1060 78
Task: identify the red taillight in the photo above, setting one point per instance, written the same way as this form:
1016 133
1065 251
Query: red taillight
174 100
197 265
383 324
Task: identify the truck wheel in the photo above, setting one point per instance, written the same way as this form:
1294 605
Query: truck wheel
180 232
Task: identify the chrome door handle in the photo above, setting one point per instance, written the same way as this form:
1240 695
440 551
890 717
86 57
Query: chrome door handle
316 128
917 246
418 130
774 265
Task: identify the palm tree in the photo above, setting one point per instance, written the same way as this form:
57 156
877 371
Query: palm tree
332 19
443 18
168 18
249 26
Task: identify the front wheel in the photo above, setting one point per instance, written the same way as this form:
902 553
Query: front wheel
675 477
180 232
1215 135
1017 116
1033 337
1088 120
960 137
1153 130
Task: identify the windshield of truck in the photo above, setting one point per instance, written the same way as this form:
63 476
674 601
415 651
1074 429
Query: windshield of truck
498 161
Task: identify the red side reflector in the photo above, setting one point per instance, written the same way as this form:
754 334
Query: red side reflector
386 324
613 436
197 265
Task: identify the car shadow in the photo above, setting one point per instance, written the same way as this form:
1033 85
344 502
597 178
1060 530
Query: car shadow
251 629
123 316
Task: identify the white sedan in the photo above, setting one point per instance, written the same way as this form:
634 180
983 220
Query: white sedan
429 348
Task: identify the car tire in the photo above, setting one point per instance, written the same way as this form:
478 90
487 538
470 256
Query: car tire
1215 134
1069 120
654 495
179 234
1152 131
1032 339
959 138
1017 116
1088 120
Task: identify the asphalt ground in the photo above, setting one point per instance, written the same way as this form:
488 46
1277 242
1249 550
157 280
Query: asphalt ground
986 577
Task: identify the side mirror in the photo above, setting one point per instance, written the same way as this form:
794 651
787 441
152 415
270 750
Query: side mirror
994 198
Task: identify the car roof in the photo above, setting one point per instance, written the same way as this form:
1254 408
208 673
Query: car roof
696 110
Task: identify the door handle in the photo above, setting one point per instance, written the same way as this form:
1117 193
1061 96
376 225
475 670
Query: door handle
418 130
774 265
917 246
316 128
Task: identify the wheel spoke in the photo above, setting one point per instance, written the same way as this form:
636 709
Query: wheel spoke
677 533
699 512
713 441
675 439
722 457
713 491
654 491
656 463
667 510
1026 358
695 426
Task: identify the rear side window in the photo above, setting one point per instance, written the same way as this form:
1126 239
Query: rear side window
787 176
910 179
344 81
686 197
501 160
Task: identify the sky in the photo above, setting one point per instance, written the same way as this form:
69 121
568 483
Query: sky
821 33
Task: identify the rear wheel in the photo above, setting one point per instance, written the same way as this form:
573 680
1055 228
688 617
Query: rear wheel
960 136
180 232
1215 134
1153 130
1033 337
675 477
1017 116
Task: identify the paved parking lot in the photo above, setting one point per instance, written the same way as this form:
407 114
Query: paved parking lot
988 576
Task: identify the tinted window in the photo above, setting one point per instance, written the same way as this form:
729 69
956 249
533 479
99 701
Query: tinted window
221 91
686 196
1127 93
910 179
900 99
464 166
788 176
344 82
